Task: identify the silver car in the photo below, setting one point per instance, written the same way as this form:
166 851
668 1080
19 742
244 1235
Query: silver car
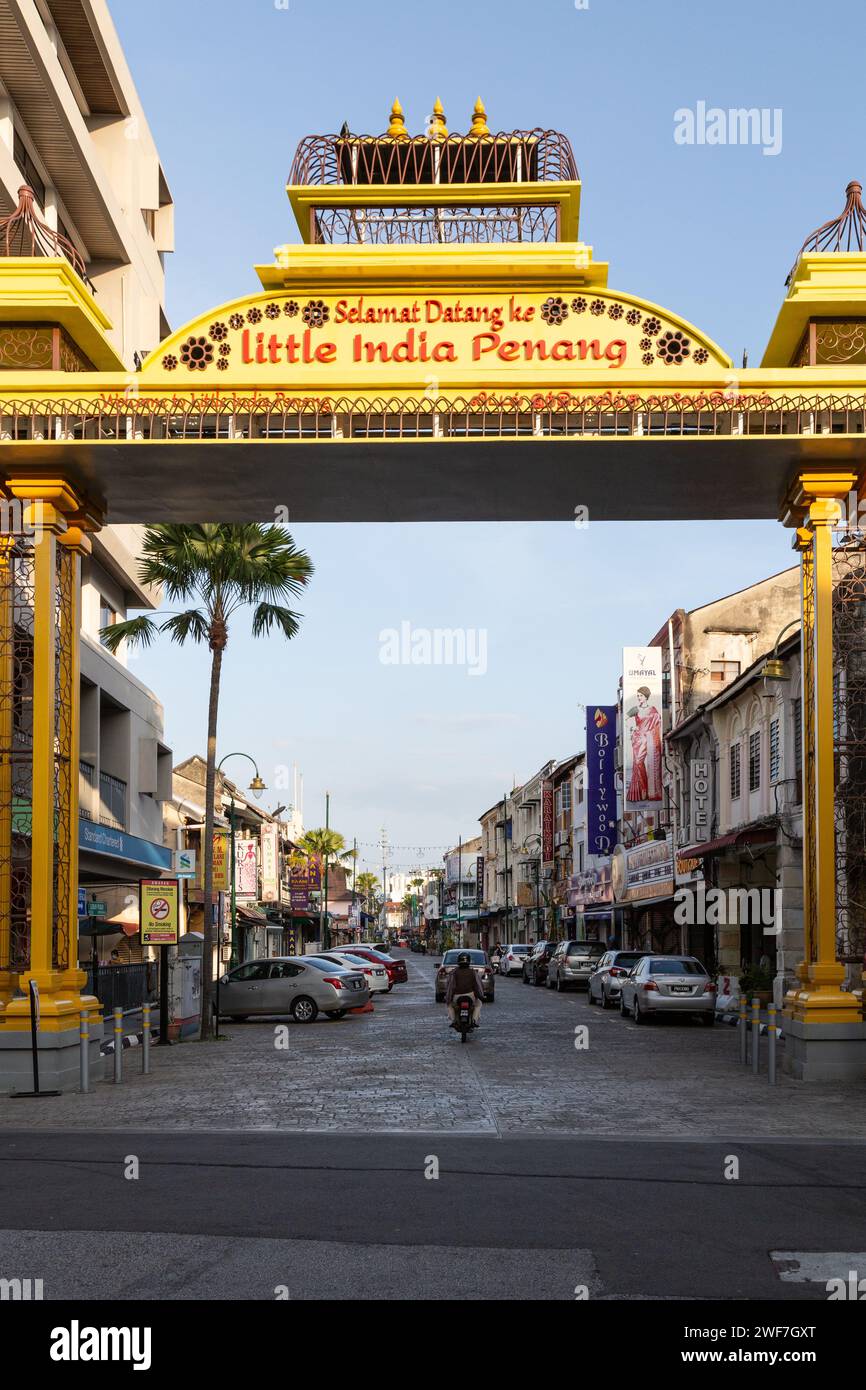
572 963
296 985
480 964
670 985
606 980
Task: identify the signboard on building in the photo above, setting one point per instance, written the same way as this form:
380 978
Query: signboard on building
270 864
221 872
247 868
591 888
158 911
600 778
479 877
701 801
547 820
643 871
183 863
642 725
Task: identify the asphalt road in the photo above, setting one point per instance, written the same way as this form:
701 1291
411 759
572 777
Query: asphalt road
380 1159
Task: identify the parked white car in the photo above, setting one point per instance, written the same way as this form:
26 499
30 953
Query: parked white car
376 975
512 958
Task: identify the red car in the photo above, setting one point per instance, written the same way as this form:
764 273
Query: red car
397 972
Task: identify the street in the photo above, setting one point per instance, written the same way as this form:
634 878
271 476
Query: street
309 1172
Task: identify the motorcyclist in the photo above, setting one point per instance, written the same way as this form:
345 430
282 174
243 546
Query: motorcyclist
463 980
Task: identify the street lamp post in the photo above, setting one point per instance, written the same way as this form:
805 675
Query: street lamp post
256 786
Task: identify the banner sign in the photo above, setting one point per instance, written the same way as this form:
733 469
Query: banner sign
247 868
158 911
221 872
479 877
270 864
642 725
547 822
600 778
307 875
701 803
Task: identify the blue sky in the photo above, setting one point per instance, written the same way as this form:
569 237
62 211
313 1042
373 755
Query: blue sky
707 231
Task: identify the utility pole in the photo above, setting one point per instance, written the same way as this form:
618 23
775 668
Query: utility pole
505 843
383 841
459 889
324 930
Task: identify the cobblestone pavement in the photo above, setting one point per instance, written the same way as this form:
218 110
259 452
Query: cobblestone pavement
400 1070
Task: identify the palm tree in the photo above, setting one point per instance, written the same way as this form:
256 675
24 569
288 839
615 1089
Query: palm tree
218 569
329 846
367 885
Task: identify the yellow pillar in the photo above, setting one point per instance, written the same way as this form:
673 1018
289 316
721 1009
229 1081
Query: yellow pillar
820 998
56 550
8 976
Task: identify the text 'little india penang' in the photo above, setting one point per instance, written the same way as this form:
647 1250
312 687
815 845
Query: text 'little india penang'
417 348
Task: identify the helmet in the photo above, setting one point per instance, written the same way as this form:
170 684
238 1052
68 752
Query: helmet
463 959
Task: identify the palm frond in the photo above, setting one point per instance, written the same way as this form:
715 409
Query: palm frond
136 631
192 623
269 615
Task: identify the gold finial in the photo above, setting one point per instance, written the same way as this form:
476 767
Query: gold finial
437 129
397 129
479 120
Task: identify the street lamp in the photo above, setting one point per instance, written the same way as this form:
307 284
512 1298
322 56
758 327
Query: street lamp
256 786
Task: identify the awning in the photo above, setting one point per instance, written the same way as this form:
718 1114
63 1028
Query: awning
252 914
737 839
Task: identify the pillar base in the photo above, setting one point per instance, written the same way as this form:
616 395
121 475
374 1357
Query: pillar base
58 1043
819 1051
816 1004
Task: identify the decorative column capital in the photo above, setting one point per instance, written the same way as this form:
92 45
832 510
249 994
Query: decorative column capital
814 486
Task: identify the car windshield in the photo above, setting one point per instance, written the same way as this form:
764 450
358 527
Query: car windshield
676 966
327 967
586 948
475 957
519 950
355 959
626 957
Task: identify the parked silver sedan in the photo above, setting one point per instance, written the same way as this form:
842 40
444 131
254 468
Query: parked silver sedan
606 980
668 984
295 985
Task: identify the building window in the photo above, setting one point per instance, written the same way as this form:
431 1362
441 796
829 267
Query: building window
86 783
754 762
735 771
22 158
723 672
566 798
775 751
112 801
107 617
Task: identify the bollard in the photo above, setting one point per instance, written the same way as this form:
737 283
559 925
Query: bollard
756 1033
84 1057
118 1044
145 1039
744 1030
772 1032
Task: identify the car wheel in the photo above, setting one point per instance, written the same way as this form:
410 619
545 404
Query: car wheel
439 998
622 1008
589 998
605 1002
304 1010
491 1000
708 1020
337 1013
636 1013
558 985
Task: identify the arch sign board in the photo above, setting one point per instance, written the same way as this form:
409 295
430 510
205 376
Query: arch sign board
433 339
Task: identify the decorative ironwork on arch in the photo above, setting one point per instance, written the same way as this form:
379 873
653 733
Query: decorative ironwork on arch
847 232
519 156
258 416
23 233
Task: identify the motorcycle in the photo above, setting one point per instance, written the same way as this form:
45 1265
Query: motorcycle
463 1017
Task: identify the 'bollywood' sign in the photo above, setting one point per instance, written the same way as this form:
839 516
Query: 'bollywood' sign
600 778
